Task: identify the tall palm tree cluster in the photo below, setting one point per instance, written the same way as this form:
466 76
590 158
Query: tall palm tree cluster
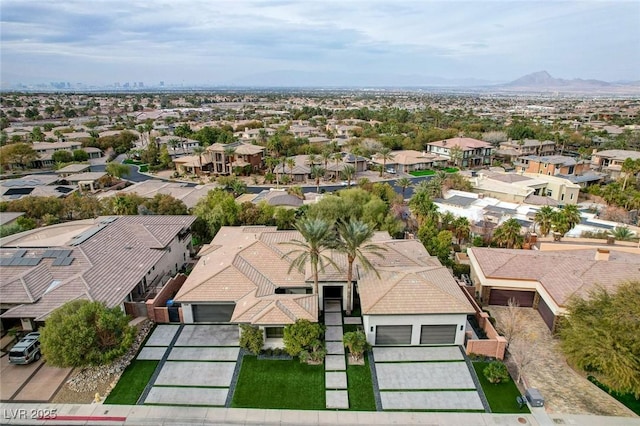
320 238
559 221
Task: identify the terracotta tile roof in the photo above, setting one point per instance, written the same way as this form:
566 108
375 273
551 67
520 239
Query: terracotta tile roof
412 291
561 273
464 143
276 309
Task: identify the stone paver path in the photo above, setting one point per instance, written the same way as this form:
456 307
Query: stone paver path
564 390
335 365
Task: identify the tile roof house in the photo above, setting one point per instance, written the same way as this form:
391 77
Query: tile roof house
405 161
474 152
546 280
243 277
109 259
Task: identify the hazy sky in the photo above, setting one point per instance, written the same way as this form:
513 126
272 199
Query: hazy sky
223 42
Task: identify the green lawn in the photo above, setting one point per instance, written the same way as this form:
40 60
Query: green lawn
501 396
422 173
132 383
627 399
279 384
450 170
360 387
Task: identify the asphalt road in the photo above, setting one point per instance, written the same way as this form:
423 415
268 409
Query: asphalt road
134 176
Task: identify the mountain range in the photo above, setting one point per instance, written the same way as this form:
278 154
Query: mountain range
538 82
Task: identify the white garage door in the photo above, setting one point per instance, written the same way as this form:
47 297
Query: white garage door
438 334
393 335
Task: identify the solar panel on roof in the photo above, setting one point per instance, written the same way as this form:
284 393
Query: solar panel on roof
66 261
5 261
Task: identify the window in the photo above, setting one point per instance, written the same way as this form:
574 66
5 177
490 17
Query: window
549 193
274 332
561 197
571 197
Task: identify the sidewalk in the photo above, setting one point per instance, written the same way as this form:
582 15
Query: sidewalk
98 414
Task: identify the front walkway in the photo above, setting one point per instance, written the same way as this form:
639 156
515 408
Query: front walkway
197 364
335 366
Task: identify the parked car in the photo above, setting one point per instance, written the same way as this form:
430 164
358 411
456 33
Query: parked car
27 350
391 171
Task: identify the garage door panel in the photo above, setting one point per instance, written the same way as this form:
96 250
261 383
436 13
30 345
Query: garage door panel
438 334
546 313
213 313
501 297
393 335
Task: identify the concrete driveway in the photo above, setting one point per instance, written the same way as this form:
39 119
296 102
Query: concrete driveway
36 382
425 378
197 364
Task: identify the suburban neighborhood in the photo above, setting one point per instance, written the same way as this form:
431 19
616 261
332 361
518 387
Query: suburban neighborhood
263 255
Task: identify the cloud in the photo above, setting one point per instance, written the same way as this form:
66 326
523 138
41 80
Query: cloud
178 40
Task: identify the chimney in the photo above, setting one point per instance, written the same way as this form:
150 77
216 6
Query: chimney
480 196
602 254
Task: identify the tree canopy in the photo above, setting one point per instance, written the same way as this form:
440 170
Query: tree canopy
600 335
82 333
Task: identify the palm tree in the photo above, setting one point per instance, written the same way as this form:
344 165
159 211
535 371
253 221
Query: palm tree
318 236
354 242
571 212
325 155
543 218
508 234
622 233
348 174
316 173
404 183
312 159
629 168
559 224
198 150
291 163
385 154
337 157
461 228
230 152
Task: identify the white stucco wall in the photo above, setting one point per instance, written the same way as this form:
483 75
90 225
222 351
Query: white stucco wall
370 322
177 254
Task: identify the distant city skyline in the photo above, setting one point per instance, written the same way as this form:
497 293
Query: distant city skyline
323 43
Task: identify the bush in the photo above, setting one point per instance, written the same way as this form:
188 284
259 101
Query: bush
460 269
82 333
496 372
251 338
301 336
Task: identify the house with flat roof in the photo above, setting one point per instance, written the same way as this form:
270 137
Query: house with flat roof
546 280
114 260
513 149
45 151
475 153
242 277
